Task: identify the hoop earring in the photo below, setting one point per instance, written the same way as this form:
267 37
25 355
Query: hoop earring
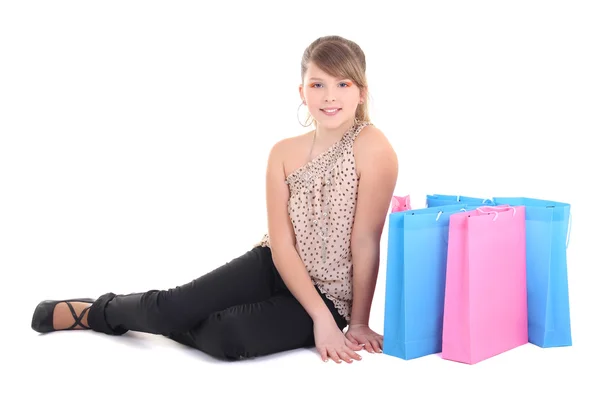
300 122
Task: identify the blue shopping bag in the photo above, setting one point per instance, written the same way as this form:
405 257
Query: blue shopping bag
415 281
547 231
436 200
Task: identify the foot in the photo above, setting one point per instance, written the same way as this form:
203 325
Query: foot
65 318
70 314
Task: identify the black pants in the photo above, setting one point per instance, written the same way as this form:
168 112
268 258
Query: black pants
240 310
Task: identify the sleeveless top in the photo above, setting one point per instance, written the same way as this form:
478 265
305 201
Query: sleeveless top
321 207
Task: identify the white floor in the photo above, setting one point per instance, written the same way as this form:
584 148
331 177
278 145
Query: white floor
92 365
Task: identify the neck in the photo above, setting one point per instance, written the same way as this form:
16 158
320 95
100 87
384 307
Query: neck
327 134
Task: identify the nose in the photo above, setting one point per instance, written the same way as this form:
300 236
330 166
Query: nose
329 96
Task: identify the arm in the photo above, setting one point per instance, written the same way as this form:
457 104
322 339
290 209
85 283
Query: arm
283 241
377 166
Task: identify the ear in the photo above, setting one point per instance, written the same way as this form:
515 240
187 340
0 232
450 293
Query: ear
301 91
363 94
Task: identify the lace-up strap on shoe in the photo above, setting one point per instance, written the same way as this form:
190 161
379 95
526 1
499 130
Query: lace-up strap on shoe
76 317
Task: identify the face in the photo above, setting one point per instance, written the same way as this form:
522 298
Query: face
331 101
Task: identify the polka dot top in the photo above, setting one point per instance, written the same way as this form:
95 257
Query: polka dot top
321 206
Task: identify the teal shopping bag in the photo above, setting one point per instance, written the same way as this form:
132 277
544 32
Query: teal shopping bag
415 281
547 225
436 200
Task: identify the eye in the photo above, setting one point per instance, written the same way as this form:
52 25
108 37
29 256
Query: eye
312 85
347 84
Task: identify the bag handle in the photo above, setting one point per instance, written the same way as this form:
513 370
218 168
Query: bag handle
484 201
505 208
498 208
441 212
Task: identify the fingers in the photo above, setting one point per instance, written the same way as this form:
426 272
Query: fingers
369 347
352 339
351 354
348 350
323 353
334 355
353 344
348 355
376 346
379 341
344 354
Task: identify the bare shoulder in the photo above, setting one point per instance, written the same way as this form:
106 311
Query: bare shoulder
372 148
371 135
286 151
288 144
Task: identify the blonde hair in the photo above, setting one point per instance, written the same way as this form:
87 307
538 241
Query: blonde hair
339 57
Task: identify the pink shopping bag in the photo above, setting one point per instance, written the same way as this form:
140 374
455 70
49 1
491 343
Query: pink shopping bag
485 305
401 203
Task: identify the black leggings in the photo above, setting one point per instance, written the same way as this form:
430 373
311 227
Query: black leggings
240 310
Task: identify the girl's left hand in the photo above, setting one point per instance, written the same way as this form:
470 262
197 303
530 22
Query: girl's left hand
364 336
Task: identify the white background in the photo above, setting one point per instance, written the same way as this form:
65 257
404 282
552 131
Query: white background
133 146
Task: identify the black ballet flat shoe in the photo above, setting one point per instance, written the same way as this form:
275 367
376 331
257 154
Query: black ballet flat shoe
43 316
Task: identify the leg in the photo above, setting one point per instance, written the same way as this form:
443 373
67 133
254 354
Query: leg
274 325
249 278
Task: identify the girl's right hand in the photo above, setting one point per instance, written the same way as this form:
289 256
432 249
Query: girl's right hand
332 343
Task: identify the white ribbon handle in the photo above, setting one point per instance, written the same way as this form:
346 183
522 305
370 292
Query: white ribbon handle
499 208
441 212
495 212
482 202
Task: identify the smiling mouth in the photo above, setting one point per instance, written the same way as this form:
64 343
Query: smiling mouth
330 111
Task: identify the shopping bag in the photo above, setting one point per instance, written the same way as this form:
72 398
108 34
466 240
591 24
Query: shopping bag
547 232
436 200
401 203
485 307
415 281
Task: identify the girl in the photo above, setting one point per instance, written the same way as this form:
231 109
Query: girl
314 273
